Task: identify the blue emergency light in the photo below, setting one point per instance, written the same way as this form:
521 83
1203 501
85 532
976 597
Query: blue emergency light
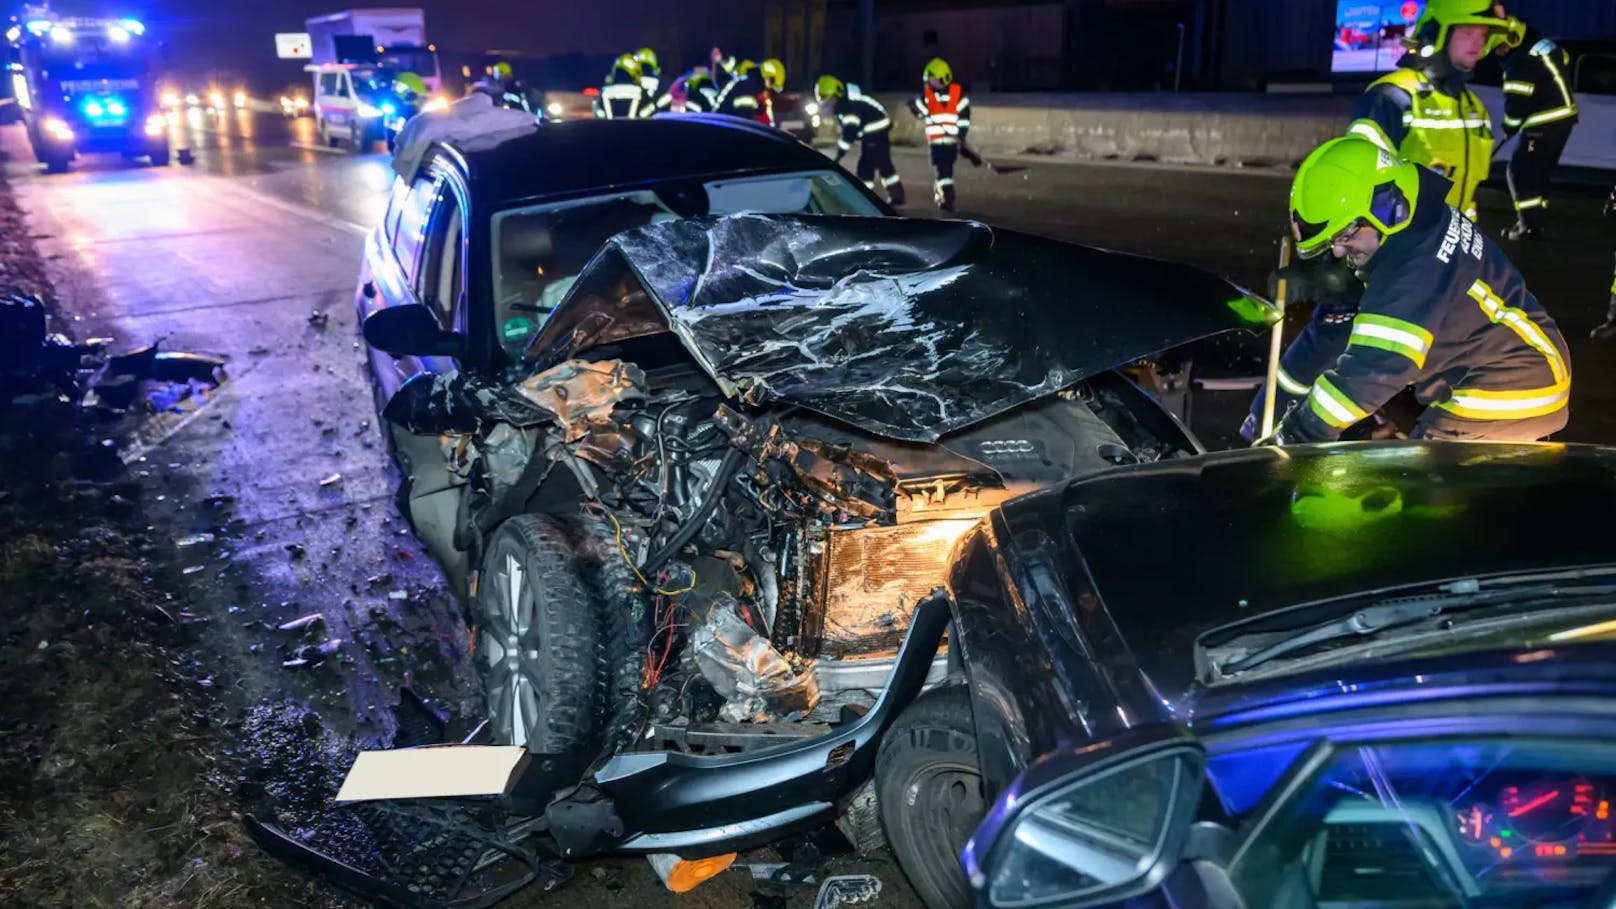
105 109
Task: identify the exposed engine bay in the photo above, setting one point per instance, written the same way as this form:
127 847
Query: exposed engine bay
778 553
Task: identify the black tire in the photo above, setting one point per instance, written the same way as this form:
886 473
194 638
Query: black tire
57 164
531 594
625 625
160 158
326 138
928 780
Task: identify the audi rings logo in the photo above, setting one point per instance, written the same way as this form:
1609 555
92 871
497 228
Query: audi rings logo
1009 450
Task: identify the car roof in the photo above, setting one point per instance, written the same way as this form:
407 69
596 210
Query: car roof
576 156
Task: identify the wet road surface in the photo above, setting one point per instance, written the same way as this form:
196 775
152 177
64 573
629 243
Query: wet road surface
278 493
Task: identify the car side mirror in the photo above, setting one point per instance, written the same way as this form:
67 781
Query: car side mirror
411 330
1092 826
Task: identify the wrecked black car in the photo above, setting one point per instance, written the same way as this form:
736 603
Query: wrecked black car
741 449
1370 675
697 512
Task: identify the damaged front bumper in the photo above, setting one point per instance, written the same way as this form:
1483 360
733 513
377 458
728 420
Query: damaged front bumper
431 853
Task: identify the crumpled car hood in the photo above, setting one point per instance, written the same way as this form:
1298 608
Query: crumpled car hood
908 328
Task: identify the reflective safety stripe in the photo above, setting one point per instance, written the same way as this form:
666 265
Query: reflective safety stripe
1289 384
1538 202
1512 122
1394 335
1446 123
1544 51
1371 130
946 181
870 184
1333 407
844 145
964 123
1550 116
878 126
848 119
891 181
1489 404
1476 404
1514 87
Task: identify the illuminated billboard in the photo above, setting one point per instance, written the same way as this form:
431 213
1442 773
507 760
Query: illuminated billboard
1367 33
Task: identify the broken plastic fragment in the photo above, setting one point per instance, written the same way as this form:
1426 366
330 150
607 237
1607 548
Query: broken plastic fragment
332 480
194 539
299 624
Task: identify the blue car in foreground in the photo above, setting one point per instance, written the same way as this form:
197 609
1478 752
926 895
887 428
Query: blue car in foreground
1367 675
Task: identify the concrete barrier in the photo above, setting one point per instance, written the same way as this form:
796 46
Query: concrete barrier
1243 130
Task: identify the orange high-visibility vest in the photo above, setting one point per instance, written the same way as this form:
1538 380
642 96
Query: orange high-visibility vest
943 114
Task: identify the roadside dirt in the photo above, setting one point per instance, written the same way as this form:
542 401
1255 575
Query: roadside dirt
117 782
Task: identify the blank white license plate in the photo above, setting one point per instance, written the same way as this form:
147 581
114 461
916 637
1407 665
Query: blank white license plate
792 124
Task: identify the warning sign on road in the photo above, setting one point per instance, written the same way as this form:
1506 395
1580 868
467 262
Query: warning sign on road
293 46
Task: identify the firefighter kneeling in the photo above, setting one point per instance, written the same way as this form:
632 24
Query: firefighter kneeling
1443 310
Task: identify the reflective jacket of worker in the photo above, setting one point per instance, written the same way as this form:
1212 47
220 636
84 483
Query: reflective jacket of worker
1424 110
1424 113
622 96
945 112
748 94
1538 105
688 93
1444 310
863 120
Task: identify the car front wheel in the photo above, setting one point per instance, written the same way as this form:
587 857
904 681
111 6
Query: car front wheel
928 781
538 639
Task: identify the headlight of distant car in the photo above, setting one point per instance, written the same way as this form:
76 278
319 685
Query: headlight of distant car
555 109
171 99
192 100
810 108
57 129
216 99
436 102
240 99
155 124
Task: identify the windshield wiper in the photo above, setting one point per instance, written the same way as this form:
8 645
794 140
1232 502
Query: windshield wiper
1396 612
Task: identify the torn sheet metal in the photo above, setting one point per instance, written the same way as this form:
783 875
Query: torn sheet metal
912 329
581 394
756 681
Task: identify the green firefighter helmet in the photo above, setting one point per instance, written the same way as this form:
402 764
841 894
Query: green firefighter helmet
939 70
629 66
500 70
1430 33
774 74
647 59
1348 182
829 87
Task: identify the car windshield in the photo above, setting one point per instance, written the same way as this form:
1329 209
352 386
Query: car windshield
1437 823
541 249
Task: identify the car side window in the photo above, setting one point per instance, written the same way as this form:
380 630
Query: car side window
395 208
410 234
440 280
328 84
